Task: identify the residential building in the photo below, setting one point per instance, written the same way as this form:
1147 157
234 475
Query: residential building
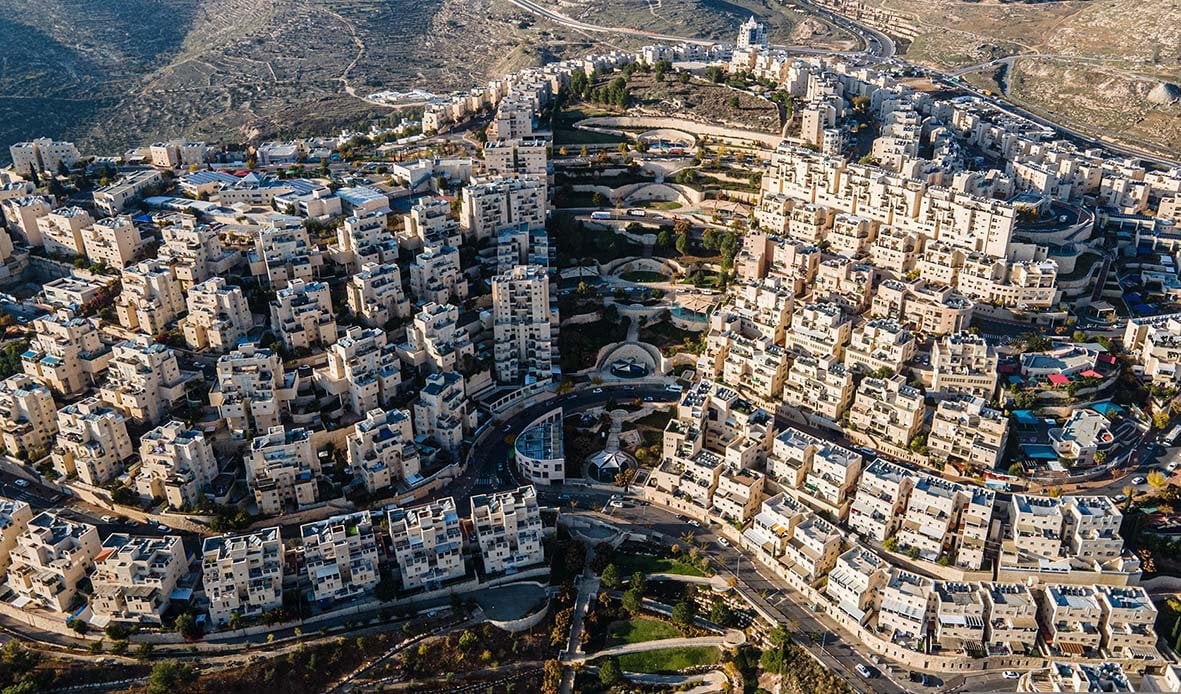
812 551
382 452
522 325
114 199
282 470
435 342
822 386
932 517
1071 617
428 544
508 530
302 315
880 345
61 231
50 558
930 309
375 295
441 412
22 215
252 392
963 363
960 617
1128 625
1077 677
219 316
177 153
243 574
144 381
113 242
14 519
436 275
820 330
965 429
1081 438
1155 343
92 442
340 557
500 203
66 352
43 155
134 577
856 581
363 370
284 254
151 299
176 463
1012 626
28 417
906 607
888 410
881 500
523 157
194 251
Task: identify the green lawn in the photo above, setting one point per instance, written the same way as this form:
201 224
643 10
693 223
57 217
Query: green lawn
643 276
639 630
669 660
667 205
628 564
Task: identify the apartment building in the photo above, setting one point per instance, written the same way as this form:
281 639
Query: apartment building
428 544
1128 626
521 245
434 340
879 505
144 381
115 198
361 235
1091 529
114 242
737 495
61 231
895 251
282 470
523 157
284 254
496 204
888 410
927 308
880 345
960 617
441 412
376 296
772 526
219 316
1077 677
194 251
430 223
14 519
757 309
820 330
906 607
176 463
822 386
302 315
812 550
975 528
134 577
65 352
340 557
92 442
177 153
363 370
382 451
963 363
1071 617
43 155
508 530
252 392
1081 437
50 558
437 276
522 325
151 299
1011 627
932 517
1026 285
756 366
243 574
1155 343
856 582
851 235
28 417
845 283
965 429
21 214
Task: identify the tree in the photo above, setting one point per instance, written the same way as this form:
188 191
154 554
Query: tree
170 676
720 614
633 601
682 244
124 496
733 102
609 673
235 622
144 651
681 227
80 627
583 152
1157 480
664 239
466 640
551 678
187 626
1017 469
597 199
610 577
638 582
683 612
1160 419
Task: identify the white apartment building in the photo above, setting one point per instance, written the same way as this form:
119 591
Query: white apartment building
1012 618
430 223
194 251
881 500
1155 342
1026 285
242 574
522 325
376 296
1129 619
219 316
175 464
66 352
856 581
252 392
144 381
820 330
282 470
523 157
340 556
812 550
28 417
508 530
151 298
22 213
43 155
382 451
51 556
61 231
14 518
134 577
880 345
113 242
363 370
441 411
360 235
772 526
1091 526
821 385
851 235
434 340
177 153
888 410
113 199
927 308
844 282
302 315
436 275
963 363
1071 617
284 254
960 616
906 606
499 203
92 442
932 517
428 544
964 428
1083 435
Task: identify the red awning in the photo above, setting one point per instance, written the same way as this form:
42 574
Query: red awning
1059 379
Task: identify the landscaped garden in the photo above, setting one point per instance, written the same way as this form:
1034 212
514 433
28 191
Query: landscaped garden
640 630
643 276
669 659
648 565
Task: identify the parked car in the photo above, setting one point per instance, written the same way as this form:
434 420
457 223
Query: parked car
163 528
21 482
617 497
723 542
597 391
1119 498
615 504
1138 480
694 523
107 519
863 671
1011 675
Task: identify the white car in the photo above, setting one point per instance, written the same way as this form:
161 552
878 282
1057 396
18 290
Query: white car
723 542
507 428
1119 498
863 671
694 523
1138 480
597 391
107 519
615 504
163 528
21 482
1011 675
617 497
1171 467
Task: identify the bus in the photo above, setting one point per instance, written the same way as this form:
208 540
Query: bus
600 215
1170 439
636 213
